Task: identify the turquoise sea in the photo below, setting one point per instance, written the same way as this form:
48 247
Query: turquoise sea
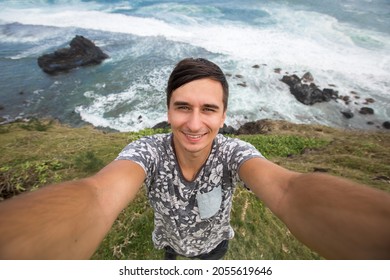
343 44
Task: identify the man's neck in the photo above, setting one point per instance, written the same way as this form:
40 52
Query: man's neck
190 162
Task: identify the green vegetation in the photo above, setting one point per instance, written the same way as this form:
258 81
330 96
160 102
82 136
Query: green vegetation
36 124
288 145
44 152
27 176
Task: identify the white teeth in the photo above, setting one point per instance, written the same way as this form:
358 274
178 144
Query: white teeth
194 136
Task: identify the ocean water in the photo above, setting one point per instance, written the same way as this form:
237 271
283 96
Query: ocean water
345 45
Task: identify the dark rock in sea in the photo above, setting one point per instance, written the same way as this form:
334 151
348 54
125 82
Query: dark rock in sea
304 93
308 94
227 130
82 52
163 125
330 93
386 124
348 114
277 70
291 80
345 98
366 111
308 77
255 127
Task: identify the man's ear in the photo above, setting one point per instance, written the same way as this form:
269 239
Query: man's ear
223 119
168 117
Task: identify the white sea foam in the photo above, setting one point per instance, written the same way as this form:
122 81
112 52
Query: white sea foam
141 105
129 120
305 38
95 20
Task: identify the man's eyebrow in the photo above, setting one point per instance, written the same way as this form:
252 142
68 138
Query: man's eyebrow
211 106
207 105
181 103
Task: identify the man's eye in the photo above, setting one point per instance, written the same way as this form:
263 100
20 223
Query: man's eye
209 109
184 108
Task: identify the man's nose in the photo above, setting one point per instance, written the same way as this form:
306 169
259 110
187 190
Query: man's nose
194 122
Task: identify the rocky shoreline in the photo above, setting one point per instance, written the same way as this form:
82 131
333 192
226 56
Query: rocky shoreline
263 126
308 93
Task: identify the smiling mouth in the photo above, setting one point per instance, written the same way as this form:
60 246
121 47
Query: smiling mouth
194 137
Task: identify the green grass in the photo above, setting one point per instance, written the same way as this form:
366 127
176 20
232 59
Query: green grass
282 146
44 152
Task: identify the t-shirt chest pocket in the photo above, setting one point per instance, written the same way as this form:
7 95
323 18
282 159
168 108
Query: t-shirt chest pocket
209 203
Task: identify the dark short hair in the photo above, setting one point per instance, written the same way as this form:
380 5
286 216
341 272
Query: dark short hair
191 69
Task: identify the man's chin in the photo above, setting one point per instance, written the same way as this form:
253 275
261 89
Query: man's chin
193 144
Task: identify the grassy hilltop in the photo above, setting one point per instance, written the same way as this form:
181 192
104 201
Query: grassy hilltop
42 152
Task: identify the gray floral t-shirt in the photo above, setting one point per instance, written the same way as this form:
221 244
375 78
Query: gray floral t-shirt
192 217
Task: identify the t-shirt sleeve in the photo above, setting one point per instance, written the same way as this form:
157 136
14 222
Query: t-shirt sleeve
242 152
142 152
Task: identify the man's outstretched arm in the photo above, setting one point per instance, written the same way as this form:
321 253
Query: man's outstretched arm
67 220
335 217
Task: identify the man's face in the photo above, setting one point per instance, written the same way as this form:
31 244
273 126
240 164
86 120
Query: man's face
196 113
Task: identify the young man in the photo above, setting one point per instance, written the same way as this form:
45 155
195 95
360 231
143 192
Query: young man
190 177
